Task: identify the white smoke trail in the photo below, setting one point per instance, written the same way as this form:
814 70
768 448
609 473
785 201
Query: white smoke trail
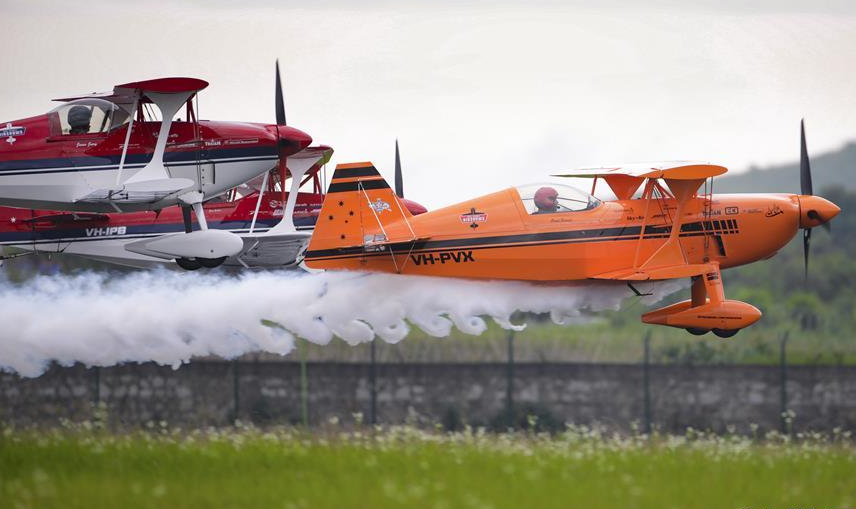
169 317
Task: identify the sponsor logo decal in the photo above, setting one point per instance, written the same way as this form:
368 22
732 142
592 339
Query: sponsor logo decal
473 218
106 231
10 131
442 257
773 211
380 206
732 210
246 141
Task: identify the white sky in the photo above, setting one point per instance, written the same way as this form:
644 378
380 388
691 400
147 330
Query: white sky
481 94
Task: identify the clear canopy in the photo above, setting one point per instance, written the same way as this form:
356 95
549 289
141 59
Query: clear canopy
555 199
89 116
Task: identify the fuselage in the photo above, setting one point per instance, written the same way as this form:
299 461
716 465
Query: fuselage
497 237
42 166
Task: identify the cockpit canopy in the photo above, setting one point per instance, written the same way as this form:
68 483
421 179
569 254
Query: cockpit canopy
555 198
87 116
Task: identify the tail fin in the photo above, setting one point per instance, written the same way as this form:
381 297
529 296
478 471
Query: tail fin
360 209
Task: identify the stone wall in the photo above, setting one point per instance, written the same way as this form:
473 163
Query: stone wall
205 393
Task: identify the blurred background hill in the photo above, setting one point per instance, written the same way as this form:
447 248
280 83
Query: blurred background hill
830 169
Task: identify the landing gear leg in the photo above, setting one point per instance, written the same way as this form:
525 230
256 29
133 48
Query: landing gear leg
188 225
200 215
208 263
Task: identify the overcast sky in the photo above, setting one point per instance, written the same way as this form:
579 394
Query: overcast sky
481 94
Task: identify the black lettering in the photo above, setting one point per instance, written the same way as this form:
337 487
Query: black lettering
444 257
468 256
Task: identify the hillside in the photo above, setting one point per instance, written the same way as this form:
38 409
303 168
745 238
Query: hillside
829 169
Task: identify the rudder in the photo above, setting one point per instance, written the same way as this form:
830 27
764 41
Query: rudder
360 209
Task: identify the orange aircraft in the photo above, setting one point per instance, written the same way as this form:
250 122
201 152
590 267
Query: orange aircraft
559 234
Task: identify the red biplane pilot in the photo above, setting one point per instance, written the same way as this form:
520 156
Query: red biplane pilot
546 200
78 119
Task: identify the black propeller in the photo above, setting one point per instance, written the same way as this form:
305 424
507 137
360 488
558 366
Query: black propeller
280 102
805 189
399 179
280 120
805 164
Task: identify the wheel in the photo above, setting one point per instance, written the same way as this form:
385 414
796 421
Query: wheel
725 333
696 331
210 263
187 263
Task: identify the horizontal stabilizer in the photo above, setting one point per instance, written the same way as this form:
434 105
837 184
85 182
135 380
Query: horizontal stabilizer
147 191
282 250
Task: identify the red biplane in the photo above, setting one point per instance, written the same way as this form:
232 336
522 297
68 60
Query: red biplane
124 151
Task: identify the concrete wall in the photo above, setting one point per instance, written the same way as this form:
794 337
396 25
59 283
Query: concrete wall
203 393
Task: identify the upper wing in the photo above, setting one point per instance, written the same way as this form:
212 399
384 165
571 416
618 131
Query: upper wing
126 93
625 180
678 170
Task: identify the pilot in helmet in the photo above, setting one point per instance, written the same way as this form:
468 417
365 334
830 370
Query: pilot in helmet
546 200
78 119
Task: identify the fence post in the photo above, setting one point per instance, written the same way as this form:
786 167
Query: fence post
783 371
373 384
646 382
96 399
236 403
509 389
304 386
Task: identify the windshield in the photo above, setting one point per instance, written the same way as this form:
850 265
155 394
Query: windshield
555 198
89 116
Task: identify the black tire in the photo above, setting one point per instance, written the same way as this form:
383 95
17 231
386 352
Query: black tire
210 263
697 332
188 264
725 333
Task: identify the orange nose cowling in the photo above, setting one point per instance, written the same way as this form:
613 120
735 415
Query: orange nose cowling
814 211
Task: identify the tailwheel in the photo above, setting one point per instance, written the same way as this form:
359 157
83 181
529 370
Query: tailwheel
210 263
695 331
725 333
188 263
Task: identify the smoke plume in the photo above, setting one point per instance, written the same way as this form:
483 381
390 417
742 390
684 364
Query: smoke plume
168 316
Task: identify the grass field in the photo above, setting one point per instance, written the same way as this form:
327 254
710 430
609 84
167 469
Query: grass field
405 467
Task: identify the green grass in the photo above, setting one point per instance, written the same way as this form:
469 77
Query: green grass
405 467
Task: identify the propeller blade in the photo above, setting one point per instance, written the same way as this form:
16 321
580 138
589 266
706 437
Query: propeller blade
805 165
806 246
280 102
399 180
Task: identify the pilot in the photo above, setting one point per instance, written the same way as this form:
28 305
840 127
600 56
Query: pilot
546 200
78 119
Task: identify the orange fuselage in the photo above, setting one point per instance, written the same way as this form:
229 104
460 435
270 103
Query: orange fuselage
494 237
